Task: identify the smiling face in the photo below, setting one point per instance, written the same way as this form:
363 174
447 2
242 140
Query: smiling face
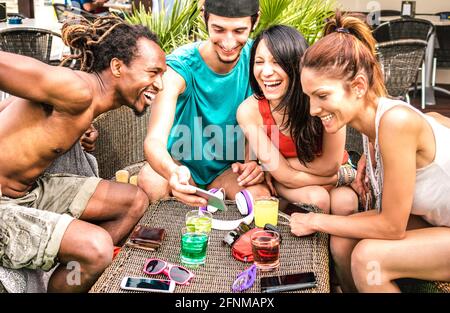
141 80
329 99
228 36
271 78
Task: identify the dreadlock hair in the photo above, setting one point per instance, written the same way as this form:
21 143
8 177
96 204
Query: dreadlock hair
287 47
98 42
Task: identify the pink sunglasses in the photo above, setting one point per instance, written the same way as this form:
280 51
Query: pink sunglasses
177 273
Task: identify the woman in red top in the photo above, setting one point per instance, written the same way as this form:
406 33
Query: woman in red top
302 161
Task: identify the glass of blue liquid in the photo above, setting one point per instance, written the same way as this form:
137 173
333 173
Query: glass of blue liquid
194 245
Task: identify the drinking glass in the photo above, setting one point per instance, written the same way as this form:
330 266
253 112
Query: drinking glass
199 221
266 211
266 249
194 245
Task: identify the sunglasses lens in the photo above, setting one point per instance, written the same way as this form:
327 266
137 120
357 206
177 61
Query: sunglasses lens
178 274
243 228
155 266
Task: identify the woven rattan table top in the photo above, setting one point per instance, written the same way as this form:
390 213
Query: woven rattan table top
217 275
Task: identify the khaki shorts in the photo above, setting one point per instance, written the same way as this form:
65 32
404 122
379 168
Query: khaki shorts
32 227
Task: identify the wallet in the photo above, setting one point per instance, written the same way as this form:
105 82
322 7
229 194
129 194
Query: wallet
147 238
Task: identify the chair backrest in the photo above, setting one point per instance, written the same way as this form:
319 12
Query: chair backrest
32 42
121 140
404 28
390 13
400 62
442 50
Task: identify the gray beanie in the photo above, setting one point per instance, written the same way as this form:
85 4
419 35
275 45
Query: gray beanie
232 8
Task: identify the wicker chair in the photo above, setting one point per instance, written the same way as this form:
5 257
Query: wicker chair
400 61
32 42
442 51
404 28
121 140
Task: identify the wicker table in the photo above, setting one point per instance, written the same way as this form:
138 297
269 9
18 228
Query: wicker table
217 275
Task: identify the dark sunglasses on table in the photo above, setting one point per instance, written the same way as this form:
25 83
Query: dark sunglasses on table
233 235
177 273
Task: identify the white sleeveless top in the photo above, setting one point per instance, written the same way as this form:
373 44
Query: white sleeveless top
432 190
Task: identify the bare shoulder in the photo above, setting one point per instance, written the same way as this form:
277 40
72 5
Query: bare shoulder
79 89
248 111
401 119
174 82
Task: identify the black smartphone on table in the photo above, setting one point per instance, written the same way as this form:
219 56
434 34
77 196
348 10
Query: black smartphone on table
290 282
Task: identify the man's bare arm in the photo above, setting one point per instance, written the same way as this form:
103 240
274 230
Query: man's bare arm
31 79
160 124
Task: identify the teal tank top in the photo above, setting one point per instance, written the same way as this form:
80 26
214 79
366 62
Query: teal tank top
205 135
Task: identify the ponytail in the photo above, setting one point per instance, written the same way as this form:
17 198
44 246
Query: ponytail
346 50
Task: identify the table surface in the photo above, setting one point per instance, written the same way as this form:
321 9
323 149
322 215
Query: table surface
31 22
297 254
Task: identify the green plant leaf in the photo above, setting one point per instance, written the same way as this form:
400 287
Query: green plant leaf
179 26
184 23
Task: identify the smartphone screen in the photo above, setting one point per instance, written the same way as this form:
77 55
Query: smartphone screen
147 284
288 282
213 200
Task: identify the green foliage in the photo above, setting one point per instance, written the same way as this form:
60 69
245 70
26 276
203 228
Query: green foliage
185 24
175 28
308 16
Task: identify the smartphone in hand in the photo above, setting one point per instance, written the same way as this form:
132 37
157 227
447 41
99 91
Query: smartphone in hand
147 284
213 200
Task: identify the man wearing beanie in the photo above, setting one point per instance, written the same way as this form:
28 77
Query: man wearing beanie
193 137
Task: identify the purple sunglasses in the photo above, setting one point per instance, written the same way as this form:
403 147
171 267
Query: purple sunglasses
245 279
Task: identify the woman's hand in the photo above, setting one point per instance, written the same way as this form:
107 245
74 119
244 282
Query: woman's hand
301 224
360 184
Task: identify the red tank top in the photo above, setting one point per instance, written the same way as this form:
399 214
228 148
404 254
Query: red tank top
285 145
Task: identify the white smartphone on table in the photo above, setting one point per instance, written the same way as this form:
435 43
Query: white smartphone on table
147 284
213 200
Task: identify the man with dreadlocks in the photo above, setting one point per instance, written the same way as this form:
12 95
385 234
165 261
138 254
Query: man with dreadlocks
206 83
46 219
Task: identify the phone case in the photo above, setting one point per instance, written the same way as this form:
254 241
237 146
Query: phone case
146 247
147 238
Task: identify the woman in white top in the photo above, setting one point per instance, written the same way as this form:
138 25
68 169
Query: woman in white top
409 233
